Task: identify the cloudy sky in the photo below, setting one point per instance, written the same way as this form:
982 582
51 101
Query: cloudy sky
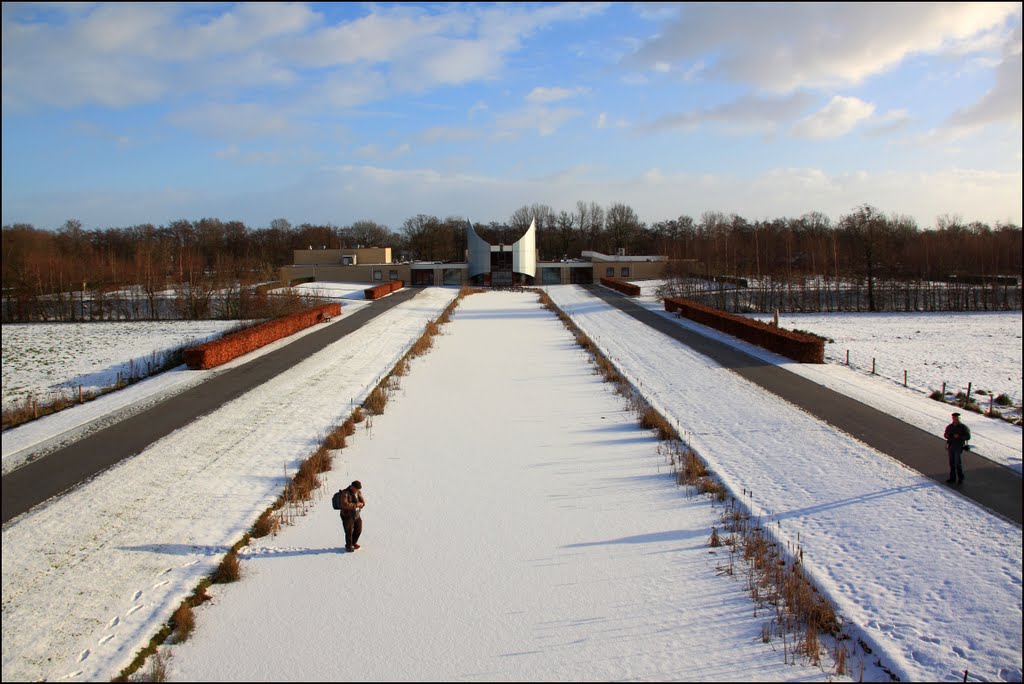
119 114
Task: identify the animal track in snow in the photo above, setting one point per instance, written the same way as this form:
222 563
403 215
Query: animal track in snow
85 654
137 595
136 608
161 584
106 638
115 622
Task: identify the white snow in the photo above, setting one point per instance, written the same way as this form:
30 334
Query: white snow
519 525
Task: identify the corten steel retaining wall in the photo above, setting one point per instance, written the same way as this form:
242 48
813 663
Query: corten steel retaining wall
793 345
379 291
214 353
622 286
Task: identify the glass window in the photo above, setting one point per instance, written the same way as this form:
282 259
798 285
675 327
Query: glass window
625 271
609 272
393 274
378 275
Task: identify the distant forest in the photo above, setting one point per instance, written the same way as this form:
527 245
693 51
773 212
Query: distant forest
805 263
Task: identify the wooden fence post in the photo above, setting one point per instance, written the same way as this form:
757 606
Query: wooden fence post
872 365
847 357
904 378
79 394
943 390
968 399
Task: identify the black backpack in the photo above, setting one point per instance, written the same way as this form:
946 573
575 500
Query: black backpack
336 500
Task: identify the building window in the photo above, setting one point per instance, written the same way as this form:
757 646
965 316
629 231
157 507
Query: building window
393 274
609 272
625 271
378 275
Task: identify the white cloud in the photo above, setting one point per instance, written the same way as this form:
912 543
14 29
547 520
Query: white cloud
782 48
542 95
1003 101
602 120
840 116
546 120
376 152
233 121
448 134
746 114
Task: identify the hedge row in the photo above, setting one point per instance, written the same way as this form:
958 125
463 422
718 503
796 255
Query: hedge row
379 291
214 353
793 345
622 286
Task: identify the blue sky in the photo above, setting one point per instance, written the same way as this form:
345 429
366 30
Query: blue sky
119 114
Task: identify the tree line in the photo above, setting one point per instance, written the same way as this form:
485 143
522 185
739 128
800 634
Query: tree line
195 257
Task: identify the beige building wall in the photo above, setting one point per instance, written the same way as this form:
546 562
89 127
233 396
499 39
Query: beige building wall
363 255
638 270
369 273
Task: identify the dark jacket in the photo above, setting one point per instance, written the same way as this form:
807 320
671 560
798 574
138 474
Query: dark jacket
352 502
957 433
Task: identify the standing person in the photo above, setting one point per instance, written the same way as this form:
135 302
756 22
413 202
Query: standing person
957 435
352 503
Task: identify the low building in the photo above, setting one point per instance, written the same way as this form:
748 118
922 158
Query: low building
486 265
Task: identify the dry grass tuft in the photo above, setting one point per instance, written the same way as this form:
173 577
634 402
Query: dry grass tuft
376 402
357 415
228 571
716 539
652 420
266 524
336 439
183 621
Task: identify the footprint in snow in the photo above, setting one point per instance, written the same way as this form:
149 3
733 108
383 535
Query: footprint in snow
161 584
106 639
115 622
137 595
137 608
85 654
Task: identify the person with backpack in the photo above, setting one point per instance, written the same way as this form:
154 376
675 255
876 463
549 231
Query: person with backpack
350 502
957 435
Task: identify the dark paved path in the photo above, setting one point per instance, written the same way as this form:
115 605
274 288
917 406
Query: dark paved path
990 484
76 463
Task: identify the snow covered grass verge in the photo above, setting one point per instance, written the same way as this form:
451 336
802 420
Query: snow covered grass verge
798 614
293 503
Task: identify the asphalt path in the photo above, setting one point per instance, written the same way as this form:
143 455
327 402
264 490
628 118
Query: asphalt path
76 463
990 484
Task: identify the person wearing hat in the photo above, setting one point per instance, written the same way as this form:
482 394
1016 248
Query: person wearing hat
957 435
352 503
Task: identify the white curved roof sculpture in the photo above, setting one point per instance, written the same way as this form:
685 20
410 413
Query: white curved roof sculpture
479 252
524 252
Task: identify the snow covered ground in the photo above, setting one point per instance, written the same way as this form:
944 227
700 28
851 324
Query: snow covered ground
560 549
45 360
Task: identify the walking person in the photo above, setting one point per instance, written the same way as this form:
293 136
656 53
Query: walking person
957 435
352 503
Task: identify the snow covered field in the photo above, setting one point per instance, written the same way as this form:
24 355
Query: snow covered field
44 360
561 549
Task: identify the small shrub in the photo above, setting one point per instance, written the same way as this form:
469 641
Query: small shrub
376 402
937 395
357 415
1004 400
184 621
266 524
336 439
716 539
229 570
652 420
348 428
